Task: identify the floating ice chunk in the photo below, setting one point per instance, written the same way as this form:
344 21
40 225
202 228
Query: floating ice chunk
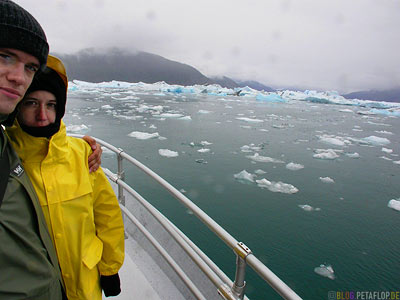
394 204
385 158
307 207
266 159
152 109
143 135
250 120
201 161
77 128
260 172
375 141
250 148
152 126
205 143
353 155
279 186
397 162
384 132
167 153
294 167
346 110
106 107
244 176
337 141
327 180
325 154
326 271
169 115
386 150
188 118
270 98
203 150
203 111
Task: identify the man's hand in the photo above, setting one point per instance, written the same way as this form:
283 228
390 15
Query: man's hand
94 158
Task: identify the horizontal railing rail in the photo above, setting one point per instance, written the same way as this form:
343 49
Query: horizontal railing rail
243 254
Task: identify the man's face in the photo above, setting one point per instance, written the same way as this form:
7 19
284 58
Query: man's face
17 69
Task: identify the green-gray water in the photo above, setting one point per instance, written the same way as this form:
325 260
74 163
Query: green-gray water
354 231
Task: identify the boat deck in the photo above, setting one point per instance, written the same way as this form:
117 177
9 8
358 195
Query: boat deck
138 284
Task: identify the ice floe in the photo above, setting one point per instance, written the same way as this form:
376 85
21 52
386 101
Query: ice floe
373 141
386 150
250 120
143 135
352 155
325 271
168 153
307 207
278 187
394 204
77 128
244 176
258 158
326 154
327 180
260 172
334 140
294 167
204 150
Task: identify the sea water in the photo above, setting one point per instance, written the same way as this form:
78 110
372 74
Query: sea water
305 185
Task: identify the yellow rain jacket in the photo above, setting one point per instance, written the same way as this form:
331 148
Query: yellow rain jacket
81 210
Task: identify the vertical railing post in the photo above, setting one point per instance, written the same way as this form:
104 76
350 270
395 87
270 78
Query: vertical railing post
121 176
242 251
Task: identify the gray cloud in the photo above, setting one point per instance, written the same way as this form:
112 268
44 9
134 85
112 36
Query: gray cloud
342 45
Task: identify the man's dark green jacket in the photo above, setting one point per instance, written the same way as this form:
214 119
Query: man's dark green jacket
28 262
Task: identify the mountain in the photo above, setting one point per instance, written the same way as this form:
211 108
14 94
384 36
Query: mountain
255 85
116 64
392 95
225 82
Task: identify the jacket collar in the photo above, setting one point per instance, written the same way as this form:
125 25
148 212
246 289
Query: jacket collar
35 149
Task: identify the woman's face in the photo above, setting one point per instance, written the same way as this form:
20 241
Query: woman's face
38 109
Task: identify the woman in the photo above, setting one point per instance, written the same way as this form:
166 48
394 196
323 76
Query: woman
81 210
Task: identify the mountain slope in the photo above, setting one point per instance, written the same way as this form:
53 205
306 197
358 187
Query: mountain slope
116 64
392 95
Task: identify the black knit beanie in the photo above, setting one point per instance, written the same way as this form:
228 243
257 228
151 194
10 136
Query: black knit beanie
48 80
20 30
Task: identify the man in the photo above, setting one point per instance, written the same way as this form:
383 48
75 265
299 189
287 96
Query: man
28 261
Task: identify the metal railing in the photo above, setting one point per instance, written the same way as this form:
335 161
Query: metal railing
226 288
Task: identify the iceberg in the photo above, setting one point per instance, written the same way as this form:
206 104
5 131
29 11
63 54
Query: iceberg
167 153
250 120
143 135
77 128
266 159
204 150
294 167
326 154
277 187
244 176
394 204
374 141
327 180
269 98
325 271
307 207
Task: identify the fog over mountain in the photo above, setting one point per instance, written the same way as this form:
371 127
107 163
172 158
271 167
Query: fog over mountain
94 65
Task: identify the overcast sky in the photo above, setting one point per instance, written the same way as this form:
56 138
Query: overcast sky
343 45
